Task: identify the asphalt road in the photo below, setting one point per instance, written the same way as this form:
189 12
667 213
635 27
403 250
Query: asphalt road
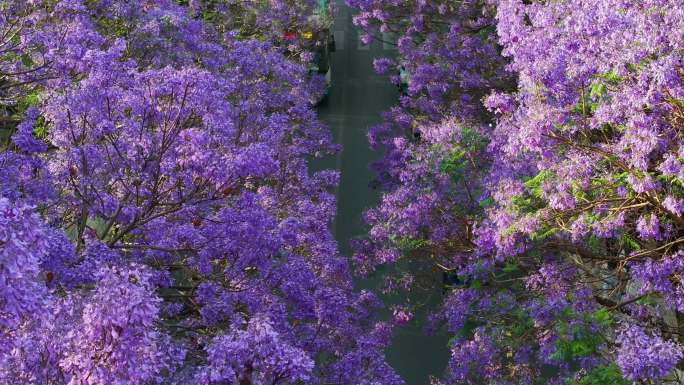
358 96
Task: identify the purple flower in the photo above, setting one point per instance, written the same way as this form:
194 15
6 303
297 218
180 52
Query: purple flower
401 315
258 354
674 205
499 103
642 356
648 227
383 65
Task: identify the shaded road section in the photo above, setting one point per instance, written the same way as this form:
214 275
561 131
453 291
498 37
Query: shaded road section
358 97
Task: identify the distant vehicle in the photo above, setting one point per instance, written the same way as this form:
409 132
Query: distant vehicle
320 65
319 44
320 41
404 79
315 41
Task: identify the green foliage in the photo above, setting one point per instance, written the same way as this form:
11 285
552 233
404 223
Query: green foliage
472 141
636 68
601 375
487 32
579 194
611 77
26 101
455 164
568 350
597 92
531 201
628 243
465 332
523 325
510 230
577 342
487 203
40 129
107 24
407 244
475 284
648 301
585 105
527 203
678 102
116 27
510 267
599 88
26 60
602 317
543 233
595 243
534 184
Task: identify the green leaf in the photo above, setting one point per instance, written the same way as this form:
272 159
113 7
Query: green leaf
408 244
543 234
487 202
603 317
612 77
648 300
536 181
455 164
26 60
510 230
40 129
598 90
630 243
595 243
510 267
601 375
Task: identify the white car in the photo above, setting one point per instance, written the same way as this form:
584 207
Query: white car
404 80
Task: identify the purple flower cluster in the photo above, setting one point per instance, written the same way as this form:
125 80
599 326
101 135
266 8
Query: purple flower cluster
479 349
284 22
23 246
645 357
536 159
115 339
664 277
158 220
159 223
256 355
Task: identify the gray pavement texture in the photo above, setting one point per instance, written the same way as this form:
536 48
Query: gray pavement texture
358 97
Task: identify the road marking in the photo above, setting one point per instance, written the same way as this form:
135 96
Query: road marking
339 40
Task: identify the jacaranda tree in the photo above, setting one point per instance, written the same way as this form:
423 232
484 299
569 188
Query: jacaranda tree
158 220
555 213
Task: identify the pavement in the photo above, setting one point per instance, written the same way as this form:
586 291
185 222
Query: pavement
357 98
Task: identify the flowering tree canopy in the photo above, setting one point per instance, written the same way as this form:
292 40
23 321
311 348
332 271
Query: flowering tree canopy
158 221
536 160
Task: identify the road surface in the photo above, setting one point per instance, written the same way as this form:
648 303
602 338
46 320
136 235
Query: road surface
358 97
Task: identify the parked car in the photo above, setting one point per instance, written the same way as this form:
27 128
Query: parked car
316 41
404 79
321 42
320 65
